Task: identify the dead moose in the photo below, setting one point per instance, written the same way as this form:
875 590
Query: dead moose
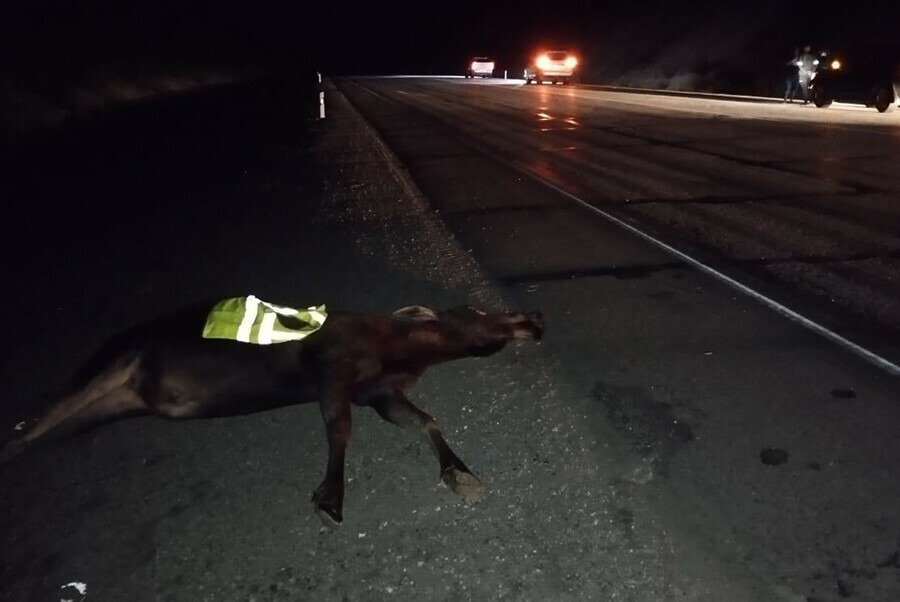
165 368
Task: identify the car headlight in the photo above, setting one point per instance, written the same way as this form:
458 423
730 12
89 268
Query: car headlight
571 62
543 61
835 64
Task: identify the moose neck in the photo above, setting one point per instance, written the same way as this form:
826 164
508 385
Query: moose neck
441 345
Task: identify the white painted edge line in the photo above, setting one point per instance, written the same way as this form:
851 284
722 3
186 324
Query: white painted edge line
787 312
665 92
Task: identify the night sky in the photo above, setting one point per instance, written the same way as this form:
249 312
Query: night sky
696 41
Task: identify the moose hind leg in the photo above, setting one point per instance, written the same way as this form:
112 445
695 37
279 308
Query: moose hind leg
398 410
119 403
67 419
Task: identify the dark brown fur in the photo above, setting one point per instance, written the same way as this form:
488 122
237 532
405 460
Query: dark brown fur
166 368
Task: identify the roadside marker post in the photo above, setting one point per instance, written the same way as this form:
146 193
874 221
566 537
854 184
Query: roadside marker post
321 96
504 74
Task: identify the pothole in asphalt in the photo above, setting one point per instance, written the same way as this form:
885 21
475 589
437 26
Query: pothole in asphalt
649 426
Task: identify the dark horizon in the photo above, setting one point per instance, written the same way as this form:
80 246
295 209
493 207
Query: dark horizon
696 44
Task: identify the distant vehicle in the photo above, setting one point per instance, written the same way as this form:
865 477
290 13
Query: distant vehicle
481 66
870 77
555 66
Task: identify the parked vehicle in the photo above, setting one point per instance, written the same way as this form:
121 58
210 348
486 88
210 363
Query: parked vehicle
481 66
554 66
870 77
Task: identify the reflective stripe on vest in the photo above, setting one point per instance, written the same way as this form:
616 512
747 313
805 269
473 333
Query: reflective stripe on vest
252 320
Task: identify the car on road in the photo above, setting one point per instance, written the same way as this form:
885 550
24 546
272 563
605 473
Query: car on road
868 77
481 66
554 66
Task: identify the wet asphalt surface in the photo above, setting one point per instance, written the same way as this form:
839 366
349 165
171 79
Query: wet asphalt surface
669 439
799 202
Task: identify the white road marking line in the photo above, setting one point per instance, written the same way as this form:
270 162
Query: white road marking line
785 311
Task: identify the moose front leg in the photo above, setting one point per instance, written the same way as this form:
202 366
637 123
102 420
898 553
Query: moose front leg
328 498
397 409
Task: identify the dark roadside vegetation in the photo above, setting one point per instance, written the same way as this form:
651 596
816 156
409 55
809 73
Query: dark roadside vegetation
112 203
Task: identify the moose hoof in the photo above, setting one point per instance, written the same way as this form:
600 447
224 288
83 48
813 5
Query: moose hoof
327 507
464 484
330 517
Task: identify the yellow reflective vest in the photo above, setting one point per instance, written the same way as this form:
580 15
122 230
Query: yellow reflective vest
252 320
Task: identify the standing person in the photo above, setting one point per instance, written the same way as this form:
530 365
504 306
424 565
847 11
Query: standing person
807 69
792 77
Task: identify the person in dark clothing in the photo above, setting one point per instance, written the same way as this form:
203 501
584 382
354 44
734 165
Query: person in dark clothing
792 77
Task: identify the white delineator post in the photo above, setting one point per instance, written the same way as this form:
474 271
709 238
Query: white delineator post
321 97
504 74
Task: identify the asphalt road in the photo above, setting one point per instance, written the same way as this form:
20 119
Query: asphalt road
801 203
731 394
671 438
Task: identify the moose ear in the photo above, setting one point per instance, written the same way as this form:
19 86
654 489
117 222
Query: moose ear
416 313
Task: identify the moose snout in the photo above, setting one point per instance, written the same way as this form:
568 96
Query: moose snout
528 327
